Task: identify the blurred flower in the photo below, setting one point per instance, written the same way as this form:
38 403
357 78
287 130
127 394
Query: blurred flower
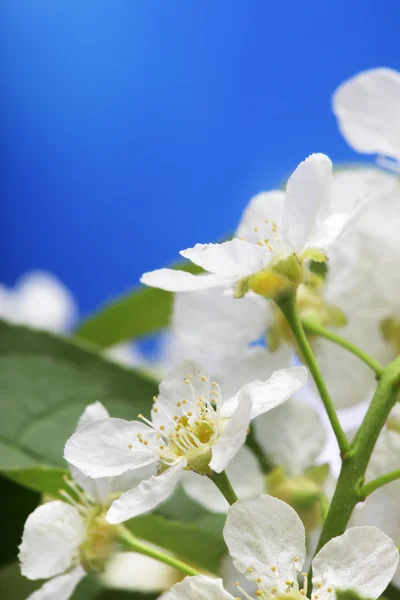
366 107
382 507
191 427
40 300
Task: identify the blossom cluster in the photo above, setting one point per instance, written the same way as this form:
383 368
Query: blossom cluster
282 313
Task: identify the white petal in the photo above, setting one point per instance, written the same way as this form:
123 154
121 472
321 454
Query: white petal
292 435
61 587
262 212
250 364
181 281
174 390
366 107
382 510
307 200
264 532
236 258
348 380
244 474
50 541
93 413
199 587
110 447
363 560
331 230
386 458
101 488
225 321
146 496
232 437
265 395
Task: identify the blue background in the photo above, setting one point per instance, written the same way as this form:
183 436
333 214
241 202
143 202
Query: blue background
133 128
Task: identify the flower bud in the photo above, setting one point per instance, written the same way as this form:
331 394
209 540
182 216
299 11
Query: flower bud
299 491
100 543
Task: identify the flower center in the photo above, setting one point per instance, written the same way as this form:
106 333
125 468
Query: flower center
281 589
189 433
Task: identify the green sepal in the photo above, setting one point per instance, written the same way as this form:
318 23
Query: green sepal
290 268
273 338
314 254
241 288
319 473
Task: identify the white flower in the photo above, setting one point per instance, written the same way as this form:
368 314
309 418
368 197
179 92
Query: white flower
54 532
363 282
50 545
382 507
265 538
293 451
366 107
298 226
190 426
40 300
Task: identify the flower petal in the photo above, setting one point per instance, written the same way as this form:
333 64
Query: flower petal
252 363
366 107
184 383
307 200
199 587
261 533
93 413
232 437
382 510
263 212
301 435
225 321
386 458
181 281
101 488
110 447
244 474
51 539
146 496
61 587
363 560
265 395
235 259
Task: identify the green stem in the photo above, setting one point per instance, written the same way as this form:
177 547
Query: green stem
224 485
377 483
351 478
315 328
287 304
264 462
133 544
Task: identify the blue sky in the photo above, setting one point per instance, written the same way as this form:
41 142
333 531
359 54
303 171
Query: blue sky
134 128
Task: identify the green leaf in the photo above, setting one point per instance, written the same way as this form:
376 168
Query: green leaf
141 311
13 586
192 543
182 508
43 479
45 384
